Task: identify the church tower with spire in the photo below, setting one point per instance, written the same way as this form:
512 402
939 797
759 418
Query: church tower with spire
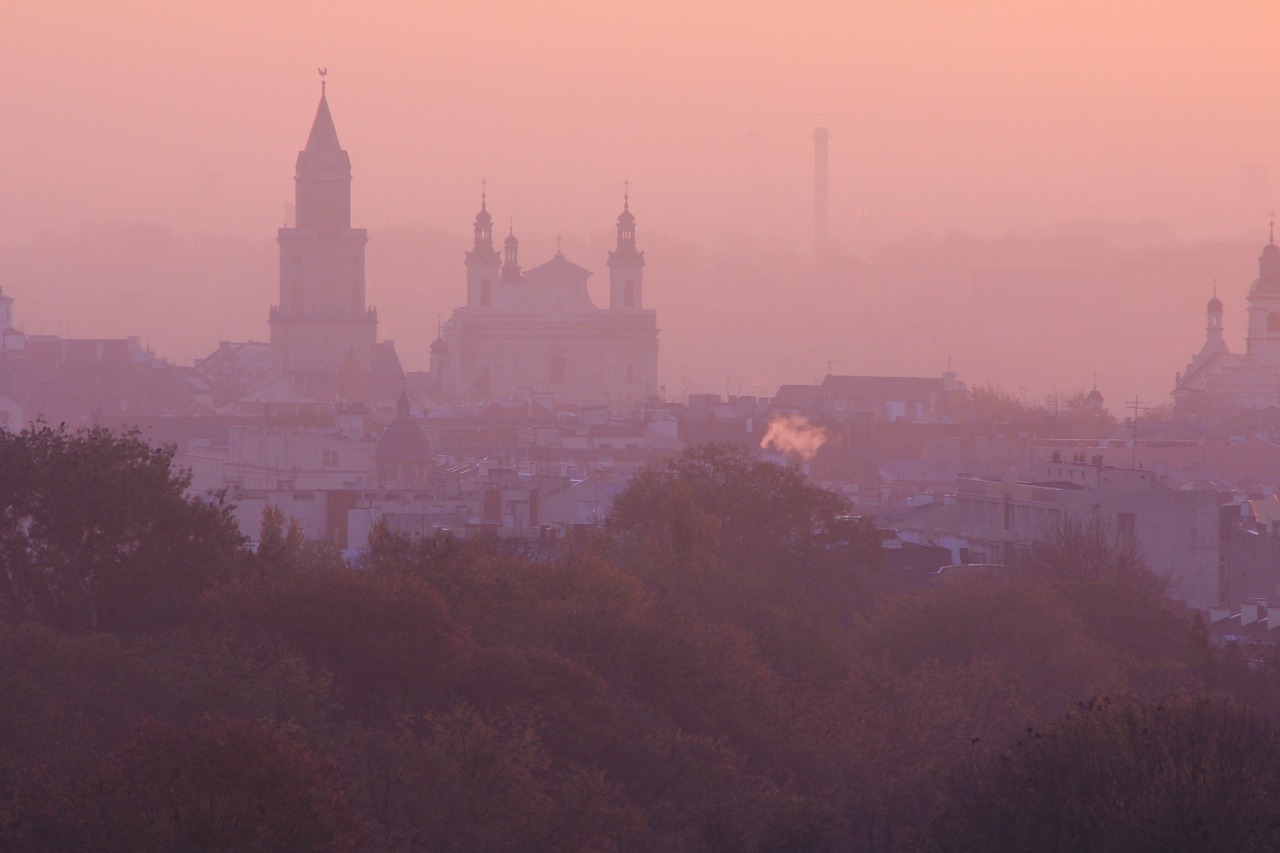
626 264
1264 302
482 260
321 323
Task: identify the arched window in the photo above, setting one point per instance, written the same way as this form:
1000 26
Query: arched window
629 294
484 293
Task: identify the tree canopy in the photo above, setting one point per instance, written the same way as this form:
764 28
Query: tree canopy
97 531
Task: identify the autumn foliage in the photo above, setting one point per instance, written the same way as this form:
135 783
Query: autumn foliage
728 669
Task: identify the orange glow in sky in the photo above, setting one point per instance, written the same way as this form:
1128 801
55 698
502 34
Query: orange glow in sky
985 119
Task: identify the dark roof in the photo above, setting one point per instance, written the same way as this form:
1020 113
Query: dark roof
403 440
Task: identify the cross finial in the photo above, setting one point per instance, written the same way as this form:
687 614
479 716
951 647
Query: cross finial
511 225
1095 382
626 195
484 189
323 73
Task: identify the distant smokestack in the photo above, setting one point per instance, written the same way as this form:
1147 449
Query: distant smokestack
820 137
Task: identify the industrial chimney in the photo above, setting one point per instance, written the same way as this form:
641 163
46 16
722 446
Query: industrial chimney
820 137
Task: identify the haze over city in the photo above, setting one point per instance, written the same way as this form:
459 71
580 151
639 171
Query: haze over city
1037 194
639 426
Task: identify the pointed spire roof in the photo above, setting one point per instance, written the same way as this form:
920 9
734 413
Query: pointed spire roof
626 218
324 136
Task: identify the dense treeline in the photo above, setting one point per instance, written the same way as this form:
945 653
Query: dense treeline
725 668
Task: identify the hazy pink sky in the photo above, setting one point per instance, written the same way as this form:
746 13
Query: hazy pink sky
990 118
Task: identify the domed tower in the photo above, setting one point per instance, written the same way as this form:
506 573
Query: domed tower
482 261
403 455
511 256
1264 303
626 264
1094 401
1213 341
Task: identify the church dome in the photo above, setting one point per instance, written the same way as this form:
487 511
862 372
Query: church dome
511 242
626 217
483 215
1270 252
403 441
1215 305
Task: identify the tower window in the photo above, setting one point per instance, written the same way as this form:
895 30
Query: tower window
1273 322
629 294
484 293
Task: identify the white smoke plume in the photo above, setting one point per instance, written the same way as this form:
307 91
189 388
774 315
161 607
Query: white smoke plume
794 434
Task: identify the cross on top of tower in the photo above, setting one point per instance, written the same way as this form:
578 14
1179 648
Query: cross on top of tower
323 73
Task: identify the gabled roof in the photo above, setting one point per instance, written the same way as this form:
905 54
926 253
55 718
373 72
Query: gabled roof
559 265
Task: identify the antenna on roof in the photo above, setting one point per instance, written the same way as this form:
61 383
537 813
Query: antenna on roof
1137 405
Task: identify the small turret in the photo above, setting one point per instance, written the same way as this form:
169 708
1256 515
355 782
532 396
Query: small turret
511 256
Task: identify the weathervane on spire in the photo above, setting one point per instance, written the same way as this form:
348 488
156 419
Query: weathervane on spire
323 73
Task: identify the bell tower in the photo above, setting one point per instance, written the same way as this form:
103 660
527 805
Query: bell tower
321 321
626 264
1264 302
482 260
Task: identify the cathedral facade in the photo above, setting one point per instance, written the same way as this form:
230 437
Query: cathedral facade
536 331
1217 379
